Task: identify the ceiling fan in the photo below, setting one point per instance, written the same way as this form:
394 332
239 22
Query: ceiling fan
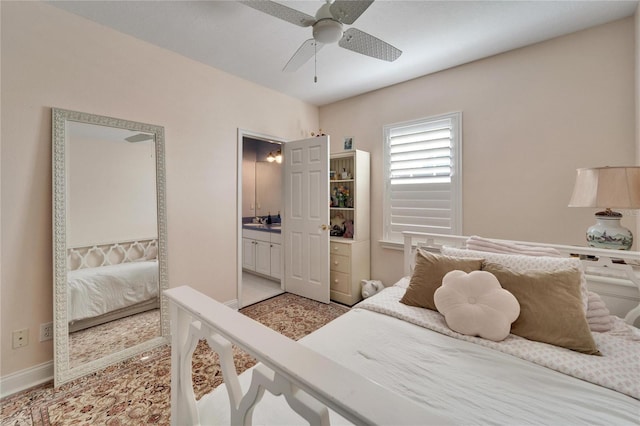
139 137
328 28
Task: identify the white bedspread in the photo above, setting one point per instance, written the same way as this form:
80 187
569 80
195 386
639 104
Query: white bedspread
97 291
456 379
618 368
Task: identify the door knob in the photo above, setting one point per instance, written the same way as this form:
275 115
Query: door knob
324 227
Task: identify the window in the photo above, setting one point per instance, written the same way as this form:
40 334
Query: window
422 173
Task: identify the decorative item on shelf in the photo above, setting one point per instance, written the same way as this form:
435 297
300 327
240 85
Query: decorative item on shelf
341 194
345 174
349 202
337 225
348 229
275 156
320 133
332 175
608 187
348 143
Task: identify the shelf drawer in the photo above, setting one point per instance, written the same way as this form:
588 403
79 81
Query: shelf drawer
340 263
340 282
339 248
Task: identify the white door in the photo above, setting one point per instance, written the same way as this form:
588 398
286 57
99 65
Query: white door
306 221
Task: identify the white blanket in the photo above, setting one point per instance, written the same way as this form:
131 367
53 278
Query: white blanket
618 368
96 291
456 379
484 244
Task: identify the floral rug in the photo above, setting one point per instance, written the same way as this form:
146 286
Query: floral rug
137 391
112 337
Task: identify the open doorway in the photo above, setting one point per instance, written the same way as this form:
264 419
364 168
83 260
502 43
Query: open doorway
260 212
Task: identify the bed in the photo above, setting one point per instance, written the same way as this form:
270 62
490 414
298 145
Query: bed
106 282
386 362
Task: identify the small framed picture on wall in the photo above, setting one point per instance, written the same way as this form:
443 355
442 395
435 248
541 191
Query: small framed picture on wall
348 143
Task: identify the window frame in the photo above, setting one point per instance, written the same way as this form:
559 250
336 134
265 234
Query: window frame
389 236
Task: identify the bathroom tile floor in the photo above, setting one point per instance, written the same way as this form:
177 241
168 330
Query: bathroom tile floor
256 288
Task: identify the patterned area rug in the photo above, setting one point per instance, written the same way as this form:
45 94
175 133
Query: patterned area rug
137 391
112 337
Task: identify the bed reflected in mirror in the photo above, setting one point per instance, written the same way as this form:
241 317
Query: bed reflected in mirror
109 241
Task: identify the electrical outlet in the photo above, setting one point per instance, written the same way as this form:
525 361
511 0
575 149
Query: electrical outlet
20 338
46 331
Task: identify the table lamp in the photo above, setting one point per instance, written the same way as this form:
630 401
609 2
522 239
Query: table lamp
608 188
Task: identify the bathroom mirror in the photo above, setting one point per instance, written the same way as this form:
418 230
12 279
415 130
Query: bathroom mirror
268 188
109 241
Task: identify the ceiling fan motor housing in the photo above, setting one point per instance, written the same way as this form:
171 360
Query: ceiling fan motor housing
327 31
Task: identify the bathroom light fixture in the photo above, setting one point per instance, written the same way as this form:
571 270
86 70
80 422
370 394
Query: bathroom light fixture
277 157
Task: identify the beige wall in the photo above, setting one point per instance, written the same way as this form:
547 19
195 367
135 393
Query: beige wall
52 58
530 118
637 18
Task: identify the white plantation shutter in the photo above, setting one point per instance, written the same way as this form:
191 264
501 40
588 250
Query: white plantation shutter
422 176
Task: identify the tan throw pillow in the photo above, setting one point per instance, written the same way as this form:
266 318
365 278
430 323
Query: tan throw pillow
550 307
427 276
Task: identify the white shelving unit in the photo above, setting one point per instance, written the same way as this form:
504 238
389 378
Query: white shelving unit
350 260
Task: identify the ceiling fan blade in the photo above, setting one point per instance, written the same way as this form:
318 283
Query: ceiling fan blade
283 12
140 137
361 42
347 11
302 55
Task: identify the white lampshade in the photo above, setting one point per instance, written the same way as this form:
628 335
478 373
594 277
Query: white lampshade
608 187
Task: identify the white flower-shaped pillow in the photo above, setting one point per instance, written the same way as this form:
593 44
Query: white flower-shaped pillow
475 304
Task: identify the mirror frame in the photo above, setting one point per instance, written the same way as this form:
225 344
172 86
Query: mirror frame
62 372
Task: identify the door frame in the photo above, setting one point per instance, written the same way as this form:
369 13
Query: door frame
242 133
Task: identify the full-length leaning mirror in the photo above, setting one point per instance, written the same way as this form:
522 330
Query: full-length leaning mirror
109 241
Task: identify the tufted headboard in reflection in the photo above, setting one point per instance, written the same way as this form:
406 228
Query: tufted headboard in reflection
97 255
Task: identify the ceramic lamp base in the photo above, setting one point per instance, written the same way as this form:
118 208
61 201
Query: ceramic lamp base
608 233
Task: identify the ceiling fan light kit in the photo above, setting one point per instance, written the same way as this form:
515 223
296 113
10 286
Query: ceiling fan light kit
328 29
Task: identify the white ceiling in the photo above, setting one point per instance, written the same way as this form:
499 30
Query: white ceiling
433 35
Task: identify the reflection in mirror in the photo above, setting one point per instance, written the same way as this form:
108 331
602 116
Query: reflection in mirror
268 188
109 241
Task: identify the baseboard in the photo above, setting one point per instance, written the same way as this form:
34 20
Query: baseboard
233 304
25 379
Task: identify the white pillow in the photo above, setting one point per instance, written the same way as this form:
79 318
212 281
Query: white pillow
522 263
151 253
598 316
475 304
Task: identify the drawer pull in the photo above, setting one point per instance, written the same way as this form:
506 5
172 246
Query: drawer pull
335 262
336 281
